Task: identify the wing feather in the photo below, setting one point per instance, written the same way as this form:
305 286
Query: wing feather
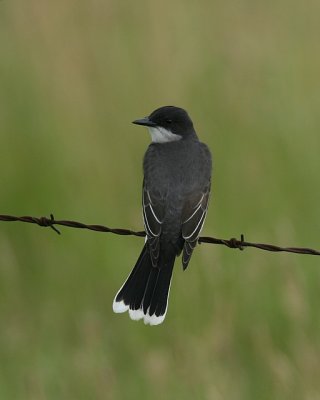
193 218
153 217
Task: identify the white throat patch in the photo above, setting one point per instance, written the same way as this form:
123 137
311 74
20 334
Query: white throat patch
162 135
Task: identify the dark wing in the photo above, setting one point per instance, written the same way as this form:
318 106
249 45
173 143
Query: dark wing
193 216
153 212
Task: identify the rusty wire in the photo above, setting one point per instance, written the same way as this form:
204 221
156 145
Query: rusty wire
231 243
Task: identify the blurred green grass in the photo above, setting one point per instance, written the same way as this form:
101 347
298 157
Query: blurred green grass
72 77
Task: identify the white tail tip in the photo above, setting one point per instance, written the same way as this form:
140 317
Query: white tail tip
136 315
153 319
119 306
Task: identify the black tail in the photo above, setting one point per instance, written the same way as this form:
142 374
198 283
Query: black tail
146 290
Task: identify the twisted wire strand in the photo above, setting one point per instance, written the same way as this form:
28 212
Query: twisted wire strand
232 243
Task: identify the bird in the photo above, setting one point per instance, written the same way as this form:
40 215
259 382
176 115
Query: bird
177 171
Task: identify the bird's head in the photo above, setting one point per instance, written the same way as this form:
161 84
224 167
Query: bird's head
167 124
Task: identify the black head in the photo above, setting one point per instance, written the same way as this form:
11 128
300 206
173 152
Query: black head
173 119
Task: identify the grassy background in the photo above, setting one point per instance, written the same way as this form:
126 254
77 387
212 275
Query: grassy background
73 74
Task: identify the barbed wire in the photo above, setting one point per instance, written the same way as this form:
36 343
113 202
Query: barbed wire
232 243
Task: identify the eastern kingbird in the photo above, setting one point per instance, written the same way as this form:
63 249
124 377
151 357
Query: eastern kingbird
175 195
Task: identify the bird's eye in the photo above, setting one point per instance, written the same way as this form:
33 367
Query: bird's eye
168 121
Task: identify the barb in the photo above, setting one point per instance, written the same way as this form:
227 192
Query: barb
232 243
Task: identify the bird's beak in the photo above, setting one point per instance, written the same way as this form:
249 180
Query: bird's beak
144 121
